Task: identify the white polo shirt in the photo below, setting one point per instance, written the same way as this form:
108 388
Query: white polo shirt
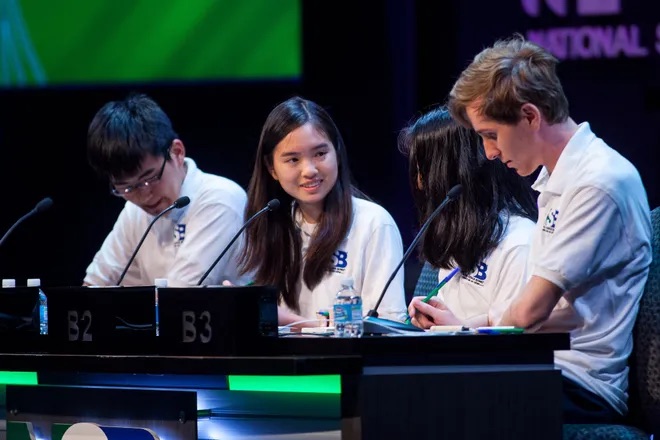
368 254
183 244
593 240
486 292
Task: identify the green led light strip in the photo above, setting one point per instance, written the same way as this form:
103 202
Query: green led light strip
326 384
18 378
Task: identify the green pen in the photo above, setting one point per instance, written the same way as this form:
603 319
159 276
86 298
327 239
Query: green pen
437 288
499 330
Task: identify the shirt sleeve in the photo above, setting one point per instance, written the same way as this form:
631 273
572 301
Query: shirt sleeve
208 231
110 260
589 228
382 254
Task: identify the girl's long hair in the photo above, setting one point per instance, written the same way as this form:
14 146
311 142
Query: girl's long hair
441 153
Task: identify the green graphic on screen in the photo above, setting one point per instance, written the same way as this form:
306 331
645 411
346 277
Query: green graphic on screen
70 42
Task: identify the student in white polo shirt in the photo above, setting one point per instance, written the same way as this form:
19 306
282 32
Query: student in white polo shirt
591 248
132 143
481 241
325 231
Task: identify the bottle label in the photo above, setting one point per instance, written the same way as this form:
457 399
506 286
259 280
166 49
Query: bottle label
342 313
356 312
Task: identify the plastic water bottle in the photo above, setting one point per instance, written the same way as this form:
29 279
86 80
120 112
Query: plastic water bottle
357 326
158 282
43 305
342 309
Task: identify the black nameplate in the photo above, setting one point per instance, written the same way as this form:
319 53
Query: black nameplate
217 320
19 319
102 319
19 310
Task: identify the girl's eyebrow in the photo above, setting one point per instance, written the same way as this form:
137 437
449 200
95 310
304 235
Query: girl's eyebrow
296 153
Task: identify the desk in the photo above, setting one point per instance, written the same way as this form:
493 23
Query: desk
426 387
460 386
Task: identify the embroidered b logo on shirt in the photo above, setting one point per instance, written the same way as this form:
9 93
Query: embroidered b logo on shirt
339 261
479 276
551 221
179 234
481 271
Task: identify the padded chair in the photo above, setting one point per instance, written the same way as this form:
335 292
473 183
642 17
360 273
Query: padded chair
427 280
644 381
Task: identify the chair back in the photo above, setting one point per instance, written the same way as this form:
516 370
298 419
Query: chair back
428 279
645 363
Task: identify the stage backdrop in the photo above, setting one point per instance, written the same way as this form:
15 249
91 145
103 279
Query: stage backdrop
73 42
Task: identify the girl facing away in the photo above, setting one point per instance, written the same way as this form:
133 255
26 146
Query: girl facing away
480 241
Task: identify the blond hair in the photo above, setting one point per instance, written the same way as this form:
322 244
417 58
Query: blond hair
505 76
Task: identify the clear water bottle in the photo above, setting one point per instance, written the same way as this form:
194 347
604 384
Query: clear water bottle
43 305
342 309
158 282
357 326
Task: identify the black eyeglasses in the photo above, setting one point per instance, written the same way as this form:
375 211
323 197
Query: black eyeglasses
124 190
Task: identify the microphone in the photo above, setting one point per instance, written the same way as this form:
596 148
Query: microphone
270 206
372 315
42 206
178 203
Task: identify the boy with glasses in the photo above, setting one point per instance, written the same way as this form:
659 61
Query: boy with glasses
132 144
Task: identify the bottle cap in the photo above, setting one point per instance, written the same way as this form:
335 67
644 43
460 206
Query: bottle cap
8 282
34 282
347 282
160 282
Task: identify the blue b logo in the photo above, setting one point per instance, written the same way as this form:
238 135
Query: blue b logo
179 233
481 271
340 258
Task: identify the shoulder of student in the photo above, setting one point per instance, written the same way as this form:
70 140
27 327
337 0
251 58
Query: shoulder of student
607 170
519 232
367 212
218 190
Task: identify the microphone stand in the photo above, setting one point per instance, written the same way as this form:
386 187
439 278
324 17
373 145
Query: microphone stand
374 324
178 203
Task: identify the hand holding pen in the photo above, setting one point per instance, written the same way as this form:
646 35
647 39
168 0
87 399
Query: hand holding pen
429 311
439 286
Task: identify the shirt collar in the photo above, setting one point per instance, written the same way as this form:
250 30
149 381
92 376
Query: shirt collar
569 159
301 224
187 189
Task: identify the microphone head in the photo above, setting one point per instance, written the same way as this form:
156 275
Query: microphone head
455 191
181 202
273 205
43 205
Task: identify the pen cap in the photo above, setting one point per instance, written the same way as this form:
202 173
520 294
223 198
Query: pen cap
160 282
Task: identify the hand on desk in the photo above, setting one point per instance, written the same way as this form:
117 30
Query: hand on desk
435 312
287 317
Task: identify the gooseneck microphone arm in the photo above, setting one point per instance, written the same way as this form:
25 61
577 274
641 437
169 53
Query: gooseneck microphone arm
42 206
270 206
453 193
178 203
